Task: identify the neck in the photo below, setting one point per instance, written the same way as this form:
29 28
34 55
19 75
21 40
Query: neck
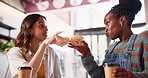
126 36
34 45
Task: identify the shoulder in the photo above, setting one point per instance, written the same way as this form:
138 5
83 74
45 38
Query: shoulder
14 50
143 34
142 37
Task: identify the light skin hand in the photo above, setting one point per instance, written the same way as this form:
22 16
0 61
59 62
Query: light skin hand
37 59
52 39
120 73
84 49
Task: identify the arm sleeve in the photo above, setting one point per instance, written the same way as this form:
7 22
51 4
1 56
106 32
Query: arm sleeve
56 63
92 68
57 67
16 60
143 37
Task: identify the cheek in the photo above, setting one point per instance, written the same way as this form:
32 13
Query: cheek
111 29
37 34
113 32
114 27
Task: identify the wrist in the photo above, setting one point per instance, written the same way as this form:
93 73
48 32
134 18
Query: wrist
43 44
85 55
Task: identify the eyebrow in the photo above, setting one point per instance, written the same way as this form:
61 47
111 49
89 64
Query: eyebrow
106 19
40 22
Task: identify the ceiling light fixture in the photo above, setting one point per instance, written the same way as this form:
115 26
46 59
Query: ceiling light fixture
42 6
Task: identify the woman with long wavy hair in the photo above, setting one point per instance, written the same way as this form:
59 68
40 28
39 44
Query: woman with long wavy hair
31 49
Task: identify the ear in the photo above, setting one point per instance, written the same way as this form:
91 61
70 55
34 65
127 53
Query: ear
30 31
122 19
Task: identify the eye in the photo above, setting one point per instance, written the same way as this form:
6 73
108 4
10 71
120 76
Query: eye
107 23
41 25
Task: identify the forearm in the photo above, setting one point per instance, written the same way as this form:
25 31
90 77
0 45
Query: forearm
37 59
144 61
92 68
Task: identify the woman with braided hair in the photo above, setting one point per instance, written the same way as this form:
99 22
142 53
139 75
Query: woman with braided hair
131 52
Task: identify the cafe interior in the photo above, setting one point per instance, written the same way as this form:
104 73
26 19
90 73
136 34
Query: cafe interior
73 17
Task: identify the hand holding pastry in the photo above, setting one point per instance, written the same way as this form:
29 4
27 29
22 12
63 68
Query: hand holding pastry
76 40
84 49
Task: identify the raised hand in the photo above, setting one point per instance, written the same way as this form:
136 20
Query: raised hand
52 39
84 49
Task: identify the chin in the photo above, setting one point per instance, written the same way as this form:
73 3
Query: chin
43 38
112 38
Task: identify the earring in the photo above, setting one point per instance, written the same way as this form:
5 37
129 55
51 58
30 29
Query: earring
121 23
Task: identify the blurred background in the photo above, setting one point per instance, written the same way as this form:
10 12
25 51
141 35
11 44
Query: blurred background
73 17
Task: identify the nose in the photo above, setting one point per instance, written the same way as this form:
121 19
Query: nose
46 28
106 29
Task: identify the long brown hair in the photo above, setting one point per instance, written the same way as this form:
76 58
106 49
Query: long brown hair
23 39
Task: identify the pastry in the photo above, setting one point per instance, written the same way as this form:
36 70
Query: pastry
76 40
62 41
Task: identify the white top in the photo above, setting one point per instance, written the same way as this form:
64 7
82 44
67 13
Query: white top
51 62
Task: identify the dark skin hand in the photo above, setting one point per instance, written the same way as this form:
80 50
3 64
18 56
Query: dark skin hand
120 73
84 49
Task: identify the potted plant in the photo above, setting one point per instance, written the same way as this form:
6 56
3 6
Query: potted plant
4 48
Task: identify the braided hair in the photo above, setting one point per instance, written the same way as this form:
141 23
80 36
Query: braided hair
128 8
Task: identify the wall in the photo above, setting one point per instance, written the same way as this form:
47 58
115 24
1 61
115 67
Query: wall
146 11
11 17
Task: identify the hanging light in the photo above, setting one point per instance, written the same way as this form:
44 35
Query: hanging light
93 1
42 5
59 3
